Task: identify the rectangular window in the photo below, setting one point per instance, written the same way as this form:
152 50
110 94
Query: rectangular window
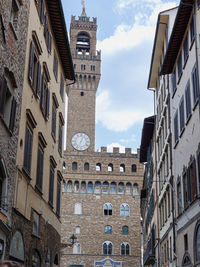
36 223
7 105
192 30
185 190
34 73
181 115
53 125
168 202
40 159
179 198
192 180
28 150
44 97
51 185
188 100
60 137
180 66
186 242
55 66
174 81
61 87
58 197
195 85
185 48
176 127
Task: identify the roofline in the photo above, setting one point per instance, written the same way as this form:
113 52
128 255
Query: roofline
65 57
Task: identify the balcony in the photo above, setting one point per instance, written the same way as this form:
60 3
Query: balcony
149 255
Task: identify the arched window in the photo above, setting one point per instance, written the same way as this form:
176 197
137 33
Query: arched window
108 230
135 189
124 210
134 168
69 186
125 230
186 262
83 42
86 166
76 187
122 168
77 248
105 187
83 187
107 207
121 188
110 167
197 242
90 187
19 252
74 166
97 188
98 167
107 248
128 188
125 248
113 188
78 209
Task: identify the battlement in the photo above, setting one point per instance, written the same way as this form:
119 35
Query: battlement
83 23
86 55
116 151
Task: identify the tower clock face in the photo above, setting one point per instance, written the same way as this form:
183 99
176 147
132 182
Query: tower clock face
80 141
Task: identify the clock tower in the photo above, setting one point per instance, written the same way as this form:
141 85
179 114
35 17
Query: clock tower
82 94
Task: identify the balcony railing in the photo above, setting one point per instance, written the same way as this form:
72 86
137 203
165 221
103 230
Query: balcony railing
149 255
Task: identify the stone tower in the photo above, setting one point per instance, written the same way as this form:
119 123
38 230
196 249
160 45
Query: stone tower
82 95
100 196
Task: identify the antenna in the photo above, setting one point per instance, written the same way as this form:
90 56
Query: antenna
83 3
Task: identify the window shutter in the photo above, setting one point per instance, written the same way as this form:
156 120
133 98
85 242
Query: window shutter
60 139
38 80
49 42
45 27
53 121
29 151
42 93
42 12
3 89
47 104
195 177
31 63
61 87
51 184
12 115
40 168
58 198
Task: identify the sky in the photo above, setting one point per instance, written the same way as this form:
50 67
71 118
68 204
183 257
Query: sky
125 36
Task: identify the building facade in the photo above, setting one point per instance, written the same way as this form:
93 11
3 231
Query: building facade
100 199
13 35
43 64
183 68
174 77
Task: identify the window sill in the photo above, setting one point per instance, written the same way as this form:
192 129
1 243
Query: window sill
192 42
180 76
182 131
50 204
13 30
54 138
38 190
27 175
188 119
195 104
185 61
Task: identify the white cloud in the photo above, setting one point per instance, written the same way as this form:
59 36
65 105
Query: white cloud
116 119
145 14
128 140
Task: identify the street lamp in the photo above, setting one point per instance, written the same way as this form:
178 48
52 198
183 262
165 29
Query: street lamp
73 240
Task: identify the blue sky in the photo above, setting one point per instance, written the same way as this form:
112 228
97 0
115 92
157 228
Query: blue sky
125 37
